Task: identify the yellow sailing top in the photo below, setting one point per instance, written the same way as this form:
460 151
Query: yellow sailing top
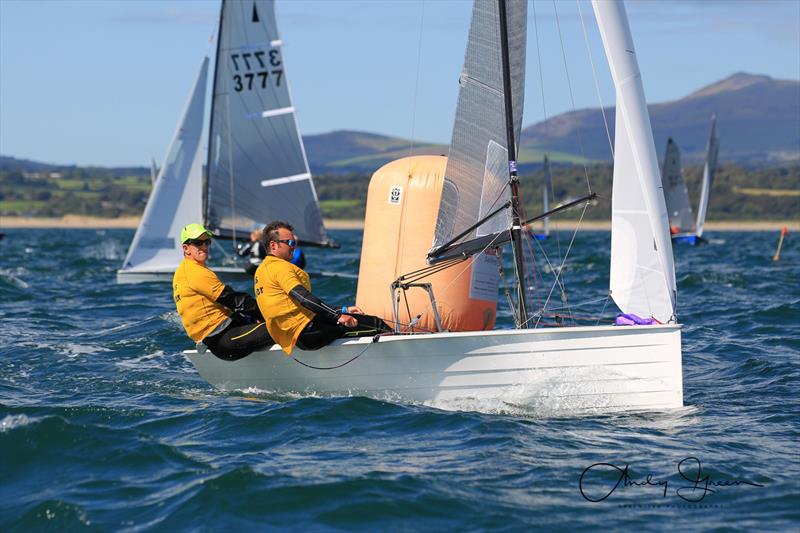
274 279
195 289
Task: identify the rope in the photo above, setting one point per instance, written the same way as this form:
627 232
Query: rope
374 340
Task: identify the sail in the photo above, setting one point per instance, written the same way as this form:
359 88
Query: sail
177 194
642 270
477 173
675 191
153 171
546 188
257 165
712 151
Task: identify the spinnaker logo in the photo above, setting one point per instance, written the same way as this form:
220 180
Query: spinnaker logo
395 195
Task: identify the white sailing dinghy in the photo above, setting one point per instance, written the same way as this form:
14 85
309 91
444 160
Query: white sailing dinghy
565 368
257 170
683 227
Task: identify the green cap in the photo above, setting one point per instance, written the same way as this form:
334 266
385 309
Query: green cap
193 231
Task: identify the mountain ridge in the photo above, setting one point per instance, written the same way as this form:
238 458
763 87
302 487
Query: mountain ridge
758 118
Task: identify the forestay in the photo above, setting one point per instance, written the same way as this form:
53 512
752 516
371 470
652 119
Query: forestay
177 191
477 173
257 166
642 271
712 151
675 192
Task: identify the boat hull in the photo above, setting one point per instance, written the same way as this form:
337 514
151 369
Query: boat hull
603 368
687 238
165 276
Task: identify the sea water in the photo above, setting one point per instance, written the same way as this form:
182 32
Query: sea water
104 425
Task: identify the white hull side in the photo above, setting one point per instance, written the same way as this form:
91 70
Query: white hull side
603 368
165 276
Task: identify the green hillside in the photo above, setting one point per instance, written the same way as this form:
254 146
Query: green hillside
733 196
738 193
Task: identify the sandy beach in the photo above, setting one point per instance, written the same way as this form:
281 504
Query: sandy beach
77 221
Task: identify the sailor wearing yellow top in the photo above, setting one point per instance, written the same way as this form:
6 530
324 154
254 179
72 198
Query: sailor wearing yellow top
229 323
294 316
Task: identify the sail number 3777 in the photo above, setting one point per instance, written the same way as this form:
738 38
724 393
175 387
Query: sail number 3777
254 70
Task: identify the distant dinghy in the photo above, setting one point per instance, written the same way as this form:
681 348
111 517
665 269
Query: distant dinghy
547 187
684 228
575 368
257 170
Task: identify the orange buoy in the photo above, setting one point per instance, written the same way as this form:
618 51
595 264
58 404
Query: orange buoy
402 207
784 232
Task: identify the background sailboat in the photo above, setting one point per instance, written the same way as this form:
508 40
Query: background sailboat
257 165
257 169
176 197
574 368
683 227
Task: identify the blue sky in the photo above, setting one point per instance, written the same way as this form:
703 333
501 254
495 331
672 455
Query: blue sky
104 82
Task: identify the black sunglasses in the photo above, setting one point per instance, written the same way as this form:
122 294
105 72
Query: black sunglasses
198 242
291 243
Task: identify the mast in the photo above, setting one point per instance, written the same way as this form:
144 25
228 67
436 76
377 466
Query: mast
209 160
516 229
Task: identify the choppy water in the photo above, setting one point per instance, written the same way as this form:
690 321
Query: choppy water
105 426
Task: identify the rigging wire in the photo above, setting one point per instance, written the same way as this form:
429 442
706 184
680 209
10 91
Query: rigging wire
571 94
416 81
594 76
544 106
566 255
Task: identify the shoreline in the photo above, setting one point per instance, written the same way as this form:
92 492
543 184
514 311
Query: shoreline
131 222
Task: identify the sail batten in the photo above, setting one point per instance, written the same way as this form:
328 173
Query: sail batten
257 168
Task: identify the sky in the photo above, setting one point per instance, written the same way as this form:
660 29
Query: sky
104 82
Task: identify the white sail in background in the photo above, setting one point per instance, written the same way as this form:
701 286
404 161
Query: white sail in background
675 192
476 177
257 166
547 187
153 171
177 194
642 270
712 151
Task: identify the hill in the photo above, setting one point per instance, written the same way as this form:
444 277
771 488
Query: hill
357 151
758 119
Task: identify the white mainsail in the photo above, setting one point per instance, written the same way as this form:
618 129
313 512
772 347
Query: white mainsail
712 151
177 193
675 191
642 279
257 165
